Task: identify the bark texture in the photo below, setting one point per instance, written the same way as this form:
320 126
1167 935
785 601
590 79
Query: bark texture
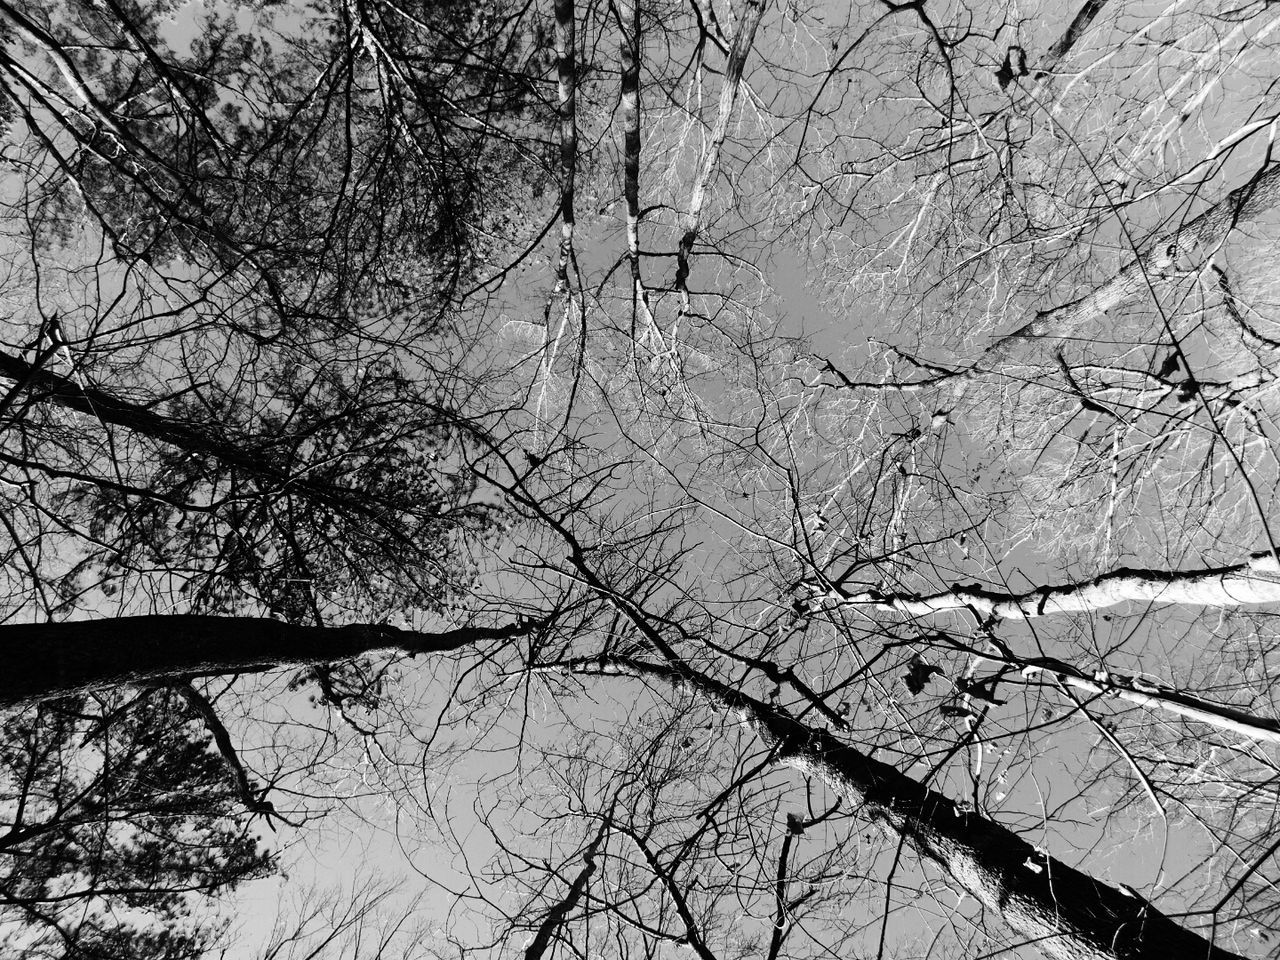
1192 242
1065 913
566 83
47 660
1244 584
743 38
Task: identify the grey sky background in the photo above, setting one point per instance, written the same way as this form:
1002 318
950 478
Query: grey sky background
876 234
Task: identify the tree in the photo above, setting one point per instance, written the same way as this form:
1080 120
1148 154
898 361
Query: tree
118 815
81 656
848 533
851 503
232 385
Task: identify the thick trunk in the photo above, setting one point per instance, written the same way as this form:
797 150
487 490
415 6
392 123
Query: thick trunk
1064 913
1243 584
49 660
629 51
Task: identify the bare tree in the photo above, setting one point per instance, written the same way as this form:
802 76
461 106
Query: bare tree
459 409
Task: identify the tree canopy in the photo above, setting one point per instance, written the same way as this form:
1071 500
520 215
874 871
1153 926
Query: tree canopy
752 479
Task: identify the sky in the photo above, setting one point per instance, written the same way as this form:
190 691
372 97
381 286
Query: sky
852 218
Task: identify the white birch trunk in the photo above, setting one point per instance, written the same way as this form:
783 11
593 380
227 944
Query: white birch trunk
743 38
1245 584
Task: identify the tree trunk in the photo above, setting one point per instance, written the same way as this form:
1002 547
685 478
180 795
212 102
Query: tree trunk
566 81
1194 239
1075 30
1064 913
743 38
49 660
1254 582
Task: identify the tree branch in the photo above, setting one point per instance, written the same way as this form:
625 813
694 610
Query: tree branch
255 801
1242 584
1067 914
47 660
556 915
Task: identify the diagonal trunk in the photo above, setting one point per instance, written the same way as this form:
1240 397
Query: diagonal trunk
1065 913
1191 240
251 457
45 386
1080 23
555 917
1140 690
47 660
1244 584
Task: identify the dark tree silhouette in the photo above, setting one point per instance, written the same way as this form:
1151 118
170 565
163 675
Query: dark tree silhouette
118 816
762 480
